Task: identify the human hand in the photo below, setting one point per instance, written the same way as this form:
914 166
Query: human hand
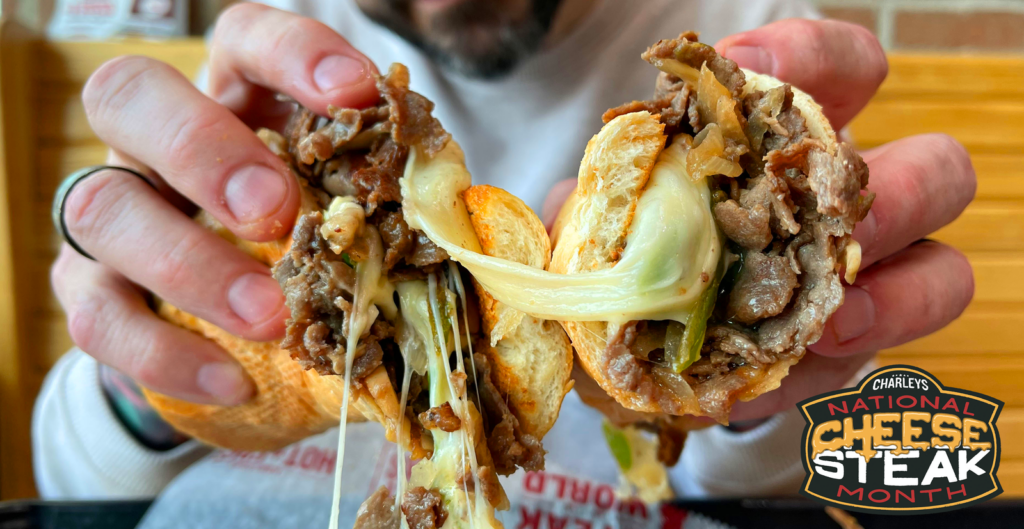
199 151
907 288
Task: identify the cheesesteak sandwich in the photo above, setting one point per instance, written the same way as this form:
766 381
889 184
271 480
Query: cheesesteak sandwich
732 201
384 322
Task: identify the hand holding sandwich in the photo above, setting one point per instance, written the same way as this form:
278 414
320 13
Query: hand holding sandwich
907 288
199 151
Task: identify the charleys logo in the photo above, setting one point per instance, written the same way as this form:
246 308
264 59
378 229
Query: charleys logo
901 443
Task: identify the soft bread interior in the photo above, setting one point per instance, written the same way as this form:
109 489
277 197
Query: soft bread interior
615 168
591 232
531 358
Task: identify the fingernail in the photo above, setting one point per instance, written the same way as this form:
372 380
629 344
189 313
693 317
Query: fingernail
224 381
752 58
338 70
255 298
254 193
855 316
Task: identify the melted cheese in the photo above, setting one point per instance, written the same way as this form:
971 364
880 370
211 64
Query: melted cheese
672 242
455 450
368 283
400 451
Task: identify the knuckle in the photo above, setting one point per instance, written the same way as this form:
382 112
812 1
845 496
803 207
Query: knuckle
146 368
280 42
172 270
114 84
235 18
94 204
84 320
191 136
814 37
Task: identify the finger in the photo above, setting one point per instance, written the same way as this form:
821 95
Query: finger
813 375
109 319
124 223
119 159
149 111
256 48
839 64
921 183
909 295
556 197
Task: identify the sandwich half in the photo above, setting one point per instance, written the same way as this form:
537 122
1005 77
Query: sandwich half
385 325
732 202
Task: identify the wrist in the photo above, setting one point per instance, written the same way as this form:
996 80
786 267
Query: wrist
125 398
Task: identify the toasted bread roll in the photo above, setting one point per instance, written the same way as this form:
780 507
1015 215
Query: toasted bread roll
531 358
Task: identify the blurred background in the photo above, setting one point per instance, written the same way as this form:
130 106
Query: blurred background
956 66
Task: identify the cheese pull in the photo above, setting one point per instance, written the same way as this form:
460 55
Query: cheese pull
669 254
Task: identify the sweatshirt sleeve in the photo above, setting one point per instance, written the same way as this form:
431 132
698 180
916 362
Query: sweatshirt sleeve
764 461
81 450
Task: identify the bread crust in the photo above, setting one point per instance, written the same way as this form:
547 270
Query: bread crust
579 224
531 359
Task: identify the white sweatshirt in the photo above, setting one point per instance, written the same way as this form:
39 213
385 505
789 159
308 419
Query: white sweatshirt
81 451
523 133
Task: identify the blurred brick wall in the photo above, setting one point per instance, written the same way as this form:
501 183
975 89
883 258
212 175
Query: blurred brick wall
994 26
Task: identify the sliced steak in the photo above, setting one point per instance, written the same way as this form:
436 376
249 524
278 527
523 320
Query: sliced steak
378 512
424 508
763 288
687 50
441 418
510 447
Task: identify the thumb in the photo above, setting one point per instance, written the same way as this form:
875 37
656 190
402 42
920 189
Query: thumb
556 197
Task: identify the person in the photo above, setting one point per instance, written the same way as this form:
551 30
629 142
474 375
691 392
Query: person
521 84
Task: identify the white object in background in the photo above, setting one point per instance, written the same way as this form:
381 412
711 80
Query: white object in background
103 19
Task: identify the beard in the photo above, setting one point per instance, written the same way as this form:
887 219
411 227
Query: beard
474 38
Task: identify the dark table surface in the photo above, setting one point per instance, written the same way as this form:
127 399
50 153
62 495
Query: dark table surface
740 514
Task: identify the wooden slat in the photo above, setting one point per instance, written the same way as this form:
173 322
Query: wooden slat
18 383
998 375
63 122
74 62
46 243
987 226
1011 431
963 77
998 276
53 163
982 127
1000 176
51 339
65 66
1011 477
982 328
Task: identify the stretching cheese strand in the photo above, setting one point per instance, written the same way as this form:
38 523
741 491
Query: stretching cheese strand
367 281
672 244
